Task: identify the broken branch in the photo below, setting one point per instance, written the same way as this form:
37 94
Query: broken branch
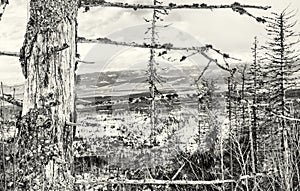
6 53
3 3
11 100
85 62
166 182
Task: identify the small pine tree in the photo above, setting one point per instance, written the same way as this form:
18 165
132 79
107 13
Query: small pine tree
255 85
282 60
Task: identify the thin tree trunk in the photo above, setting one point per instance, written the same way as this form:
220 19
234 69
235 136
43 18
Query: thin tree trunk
152 73
4 167
254 102
230 125
283 123
222 158
252 150
48 63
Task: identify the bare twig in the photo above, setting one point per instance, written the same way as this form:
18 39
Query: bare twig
202 73
7 53
269 110
178 171
3 3
285 117
85 62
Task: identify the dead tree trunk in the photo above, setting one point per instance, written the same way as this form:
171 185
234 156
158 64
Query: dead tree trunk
48 63
152 72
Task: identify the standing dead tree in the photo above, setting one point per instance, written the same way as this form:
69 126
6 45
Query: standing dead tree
48 64
48 59
152 71
282 58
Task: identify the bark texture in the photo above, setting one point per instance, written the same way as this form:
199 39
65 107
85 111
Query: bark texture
48 63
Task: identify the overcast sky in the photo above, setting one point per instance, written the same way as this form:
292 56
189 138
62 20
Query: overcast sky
225 29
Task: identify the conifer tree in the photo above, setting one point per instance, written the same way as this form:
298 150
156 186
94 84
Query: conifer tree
254 83
254 89
282 60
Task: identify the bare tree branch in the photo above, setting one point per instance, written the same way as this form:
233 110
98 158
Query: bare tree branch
85 62
269 110
3 4
11 100
166 182
6 53
17 54
178 171
167 46
236 7
171 6
202 73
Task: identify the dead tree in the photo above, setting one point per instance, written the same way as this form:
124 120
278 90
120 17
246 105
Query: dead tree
48 64
254 85
152 71
282 58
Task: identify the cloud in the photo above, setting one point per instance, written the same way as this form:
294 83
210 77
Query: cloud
12 30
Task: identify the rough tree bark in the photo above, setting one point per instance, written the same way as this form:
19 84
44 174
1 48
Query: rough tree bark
48 62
